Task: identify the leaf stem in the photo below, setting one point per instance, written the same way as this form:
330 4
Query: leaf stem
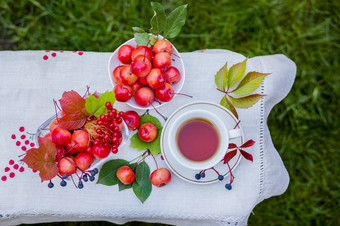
226 92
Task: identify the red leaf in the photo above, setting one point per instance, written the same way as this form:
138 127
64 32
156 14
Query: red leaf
229 156
232 145
43 159
248 144
75 113
246 155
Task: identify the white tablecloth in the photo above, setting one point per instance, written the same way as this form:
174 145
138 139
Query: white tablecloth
30 80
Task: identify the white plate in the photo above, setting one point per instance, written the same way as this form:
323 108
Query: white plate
176 62
187 174
44 129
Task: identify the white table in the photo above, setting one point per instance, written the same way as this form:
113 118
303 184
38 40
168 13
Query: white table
30 80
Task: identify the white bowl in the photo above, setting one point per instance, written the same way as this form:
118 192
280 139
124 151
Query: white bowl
176 62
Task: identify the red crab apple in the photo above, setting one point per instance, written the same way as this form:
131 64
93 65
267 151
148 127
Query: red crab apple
131 119
136 86
83 160
144 96
100 152
125 175
80 140
116 74
122 92
155 78
143 80
126 75
165 93
160 177
142 51
141 66
124 54
61 136
162 61
172 75
147 132
67 166
162 46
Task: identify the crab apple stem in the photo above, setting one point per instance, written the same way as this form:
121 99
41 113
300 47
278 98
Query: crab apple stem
165 118
87 91
158 101
60 176
183 94
155 160
139 161
146 112
237 124
175 55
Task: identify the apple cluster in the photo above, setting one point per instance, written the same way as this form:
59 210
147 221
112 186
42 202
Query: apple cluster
147 73
77 149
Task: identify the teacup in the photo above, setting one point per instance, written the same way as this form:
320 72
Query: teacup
198 139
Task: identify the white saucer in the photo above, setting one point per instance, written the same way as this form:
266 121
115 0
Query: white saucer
187 174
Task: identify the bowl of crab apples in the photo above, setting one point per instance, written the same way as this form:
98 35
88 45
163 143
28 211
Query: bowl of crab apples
146 77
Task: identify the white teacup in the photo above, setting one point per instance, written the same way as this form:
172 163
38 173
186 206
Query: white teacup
223 138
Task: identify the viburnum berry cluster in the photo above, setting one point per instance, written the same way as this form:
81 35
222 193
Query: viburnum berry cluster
147 73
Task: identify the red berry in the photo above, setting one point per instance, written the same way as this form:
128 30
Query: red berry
108 106
114 150
16 166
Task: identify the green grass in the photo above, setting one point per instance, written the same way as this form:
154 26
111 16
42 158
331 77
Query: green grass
304 126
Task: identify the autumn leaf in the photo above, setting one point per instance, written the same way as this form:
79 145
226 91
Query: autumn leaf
226 103
248 144
229 156
73 106
250 82
245 102
221 77
232 145
246 155
43 159
236 72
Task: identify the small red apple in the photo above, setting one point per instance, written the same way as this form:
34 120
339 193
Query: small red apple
165 93
131 119
124 53
116 74
67 166
160 177
147 132
162 61
100 152
126 75
61 136
83 160
125 175
141 66
122 92
172 75
162 46
144 96
155 78
142 51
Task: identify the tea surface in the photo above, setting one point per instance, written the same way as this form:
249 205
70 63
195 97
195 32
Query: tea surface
197 140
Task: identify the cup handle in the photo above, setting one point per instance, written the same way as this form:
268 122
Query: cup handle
234 133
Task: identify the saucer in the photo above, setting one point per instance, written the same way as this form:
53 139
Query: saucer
187 174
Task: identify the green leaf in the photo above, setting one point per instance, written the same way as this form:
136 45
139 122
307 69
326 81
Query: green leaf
149 118
158 20
250 82
138 30
236 72
152 39
142 186
122 186
154 146
107 175
175 21
246 102
226 103
221 77
96 106
142 39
